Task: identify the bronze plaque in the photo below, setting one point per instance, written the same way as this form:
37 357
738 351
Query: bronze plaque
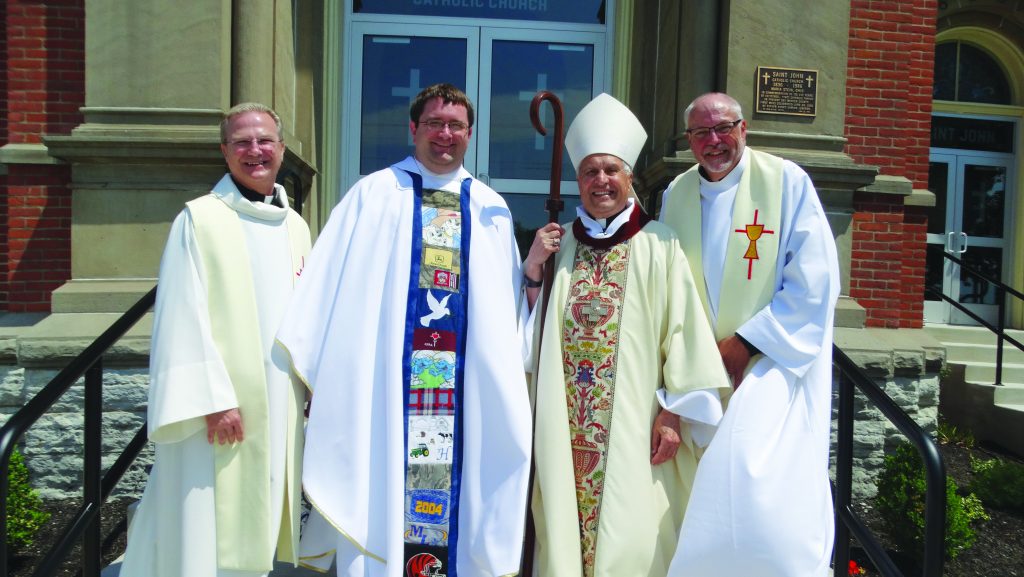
790 91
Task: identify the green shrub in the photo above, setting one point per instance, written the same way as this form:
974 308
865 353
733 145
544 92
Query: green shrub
24 516
901 491
998 483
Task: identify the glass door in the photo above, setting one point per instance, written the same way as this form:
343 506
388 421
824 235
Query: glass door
969 221
501 68
513 157
391 64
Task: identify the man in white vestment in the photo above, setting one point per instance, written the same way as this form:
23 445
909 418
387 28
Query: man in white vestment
765 262
224 411
404 327
624 329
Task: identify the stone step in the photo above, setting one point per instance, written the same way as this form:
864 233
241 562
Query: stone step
992 413
1013 373
969 335
970 352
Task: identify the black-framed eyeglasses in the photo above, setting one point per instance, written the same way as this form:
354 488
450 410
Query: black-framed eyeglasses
720 129
455 126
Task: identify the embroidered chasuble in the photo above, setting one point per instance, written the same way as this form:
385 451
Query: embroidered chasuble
624 321
434 359
240 532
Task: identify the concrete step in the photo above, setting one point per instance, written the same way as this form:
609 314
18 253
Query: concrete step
992 413
1009 396
970 352
1013 373
969 335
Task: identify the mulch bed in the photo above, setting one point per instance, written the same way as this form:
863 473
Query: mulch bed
999 548
23 563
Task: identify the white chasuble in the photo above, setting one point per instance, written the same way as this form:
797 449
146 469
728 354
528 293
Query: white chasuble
221 510
346 332
624 321
761 502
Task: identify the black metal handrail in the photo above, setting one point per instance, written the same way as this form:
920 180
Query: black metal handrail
96 489
1000 327
847 521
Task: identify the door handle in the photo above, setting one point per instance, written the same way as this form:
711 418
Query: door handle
963 245
949 242
484 178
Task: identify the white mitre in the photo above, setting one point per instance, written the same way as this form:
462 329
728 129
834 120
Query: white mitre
605 126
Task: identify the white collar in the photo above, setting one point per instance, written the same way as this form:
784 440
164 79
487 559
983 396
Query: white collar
600 227
713 188
231 196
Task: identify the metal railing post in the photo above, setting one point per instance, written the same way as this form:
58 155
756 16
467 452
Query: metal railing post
91 486
844 472
1001 326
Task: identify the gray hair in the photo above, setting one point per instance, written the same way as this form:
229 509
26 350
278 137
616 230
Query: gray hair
244 107
731 104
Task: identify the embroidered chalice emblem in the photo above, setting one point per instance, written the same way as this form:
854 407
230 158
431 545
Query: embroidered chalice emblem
753 232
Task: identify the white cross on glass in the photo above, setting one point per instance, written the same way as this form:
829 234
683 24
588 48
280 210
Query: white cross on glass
410 91
527 96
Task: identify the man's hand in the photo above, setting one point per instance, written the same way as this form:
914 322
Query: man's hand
225 425
546 242
664 437
735 357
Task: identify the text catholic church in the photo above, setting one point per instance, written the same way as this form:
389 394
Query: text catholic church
905 113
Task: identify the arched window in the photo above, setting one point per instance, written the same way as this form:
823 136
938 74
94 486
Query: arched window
966 73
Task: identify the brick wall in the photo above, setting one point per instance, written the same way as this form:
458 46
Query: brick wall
42 91
3 141
888 125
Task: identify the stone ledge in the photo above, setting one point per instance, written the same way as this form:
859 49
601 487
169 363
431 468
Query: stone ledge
59 338
887 184
26 154
892 352
99 295
920 197
12 327
849 314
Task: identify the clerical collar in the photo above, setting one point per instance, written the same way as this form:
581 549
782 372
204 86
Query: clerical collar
633 217
605 227
255 197
731 180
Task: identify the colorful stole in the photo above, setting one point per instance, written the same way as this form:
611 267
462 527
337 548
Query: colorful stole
590 342
433 361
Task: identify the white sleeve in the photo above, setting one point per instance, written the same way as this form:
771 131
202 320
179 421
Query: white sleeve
188 379
791 328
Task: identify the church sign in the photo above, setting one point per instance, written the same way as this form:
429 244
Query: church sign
580 11
791 91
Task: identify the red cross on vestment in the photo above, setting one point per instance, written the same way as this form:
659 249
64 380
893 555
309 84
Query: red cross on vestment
753 232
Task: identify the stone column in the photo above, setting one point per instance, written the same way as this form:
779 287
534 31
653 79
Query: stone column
157 79
718 46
